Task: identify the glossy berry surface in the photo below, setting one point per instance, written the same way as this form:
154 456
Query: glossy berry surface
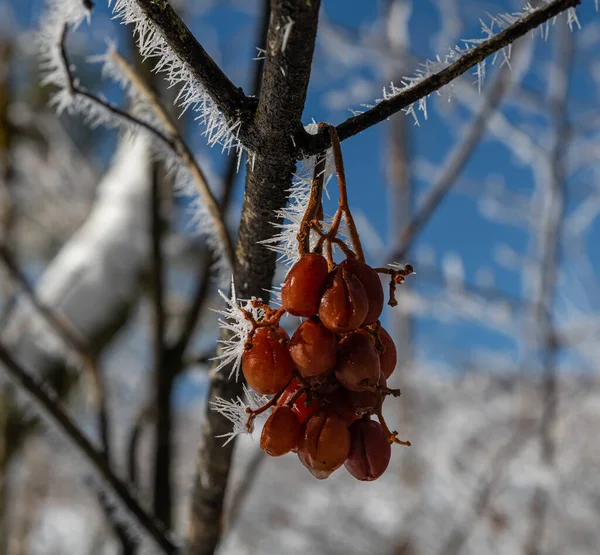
313 349
324 444
370 281
302 288
267 364
358 367
344 304
370 451
281 432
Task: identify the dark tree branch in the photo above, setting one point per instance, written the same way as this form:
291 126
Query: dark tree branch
279 112
312 144
43 402
230 100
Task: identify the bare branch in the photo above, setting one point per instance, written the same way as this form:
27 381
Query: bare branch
55 414
312 144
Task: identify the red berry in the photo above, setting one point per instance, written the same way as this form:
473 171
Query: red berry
370 451
300 407
389 356
314 349
358 365
372 285
281 432
267 364
344 304
324 444
302 288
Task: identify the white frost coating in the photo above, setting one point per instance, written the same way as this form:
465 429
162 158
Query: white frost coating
235 412
234 321
151 44
59 13
430 67
95 278
287 31
179 173
285 242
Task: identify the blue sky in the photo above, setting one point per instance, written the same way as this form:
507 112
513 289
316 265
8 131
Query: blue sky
227 32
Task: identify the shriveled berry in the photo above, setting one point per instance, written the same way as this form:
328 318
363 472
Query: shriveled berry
313 349
324 444
344 304
365 401
302 288
301 406
281 432
372 285
358 365
267 364
339 403
389 356
370 450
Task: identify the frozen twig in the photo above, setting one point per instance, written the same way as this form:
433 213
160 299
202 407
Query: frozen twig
308 144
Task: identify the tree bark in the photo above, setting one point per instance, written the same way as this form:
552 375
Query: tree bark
277 119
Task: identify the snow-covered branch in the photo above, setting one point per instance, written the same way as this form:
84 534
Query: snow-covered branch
437 74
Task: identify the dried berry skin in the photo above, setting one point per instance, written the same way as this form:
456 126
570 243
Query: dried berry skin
267 364
302 288
324 444
370 451
344 304
389 356
281 432
358 367
301 407
369 279
313 349
339 403
365 401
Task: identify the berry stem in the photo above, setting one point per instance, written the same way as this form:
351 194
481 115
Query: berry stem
252 414
392 436
314 211
344 208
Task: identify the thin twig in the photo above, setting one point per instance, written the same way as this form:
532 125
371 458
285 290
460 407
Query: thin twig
312 144
181 149
44 403
172 139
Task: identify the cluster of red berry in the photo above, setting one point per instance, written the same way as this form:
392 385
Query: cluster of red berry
330 377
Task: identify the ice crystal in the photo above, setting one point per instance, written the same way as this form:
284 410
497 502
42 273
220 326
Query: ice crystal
59 16
234 321
192 95
496 24
236 412
285 241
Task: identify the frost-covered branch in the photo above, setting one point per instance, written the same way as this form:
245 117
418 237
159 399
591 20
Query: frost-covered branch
167 136
44 403
424 85
182 149
163 35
